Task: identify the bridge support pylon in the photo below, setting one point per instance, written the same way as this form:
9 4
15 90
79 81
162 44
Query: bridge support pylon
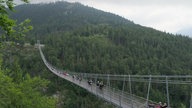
191 101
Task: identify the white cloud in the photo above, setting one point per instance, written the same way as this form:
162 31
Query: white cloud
164 15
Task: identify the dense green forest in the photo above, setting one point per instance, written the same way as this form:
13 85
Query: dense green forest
116 40
83 39
17 88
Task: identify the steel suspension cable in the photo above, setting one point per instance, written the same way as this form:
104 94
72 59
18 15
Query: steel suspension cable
108 83
121 95
149 86
96 85
191 101
167 88
130 90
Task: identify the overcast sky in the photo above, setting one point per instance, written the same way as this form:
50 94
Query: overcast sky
165 15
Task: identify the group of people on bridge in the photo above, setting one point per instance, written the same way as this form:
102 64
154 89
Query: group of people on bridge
98 83
77 77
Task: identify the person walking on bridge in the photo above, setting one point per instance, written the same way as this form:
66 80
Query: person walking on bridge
158 105
101 85
164 105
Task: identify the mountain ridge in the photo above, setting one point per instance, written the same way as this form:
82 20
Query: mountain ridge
65 9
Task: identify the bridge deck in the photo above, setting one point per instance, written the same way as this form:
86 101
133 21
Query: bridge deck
118 98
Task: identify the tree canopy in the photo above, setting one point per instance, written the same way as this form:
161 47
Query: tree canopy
18 90
10 30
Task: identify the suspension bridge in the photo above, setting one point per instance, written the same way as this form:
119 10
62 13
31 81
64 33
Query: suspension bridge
119 98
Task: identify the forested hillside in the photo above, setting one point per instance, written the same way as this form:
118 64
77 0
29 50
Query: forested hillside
81 35
83 39
63 16
17 88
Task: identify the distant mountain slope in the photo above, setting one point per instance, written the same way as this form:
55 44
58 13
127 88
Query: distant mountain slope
61 16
